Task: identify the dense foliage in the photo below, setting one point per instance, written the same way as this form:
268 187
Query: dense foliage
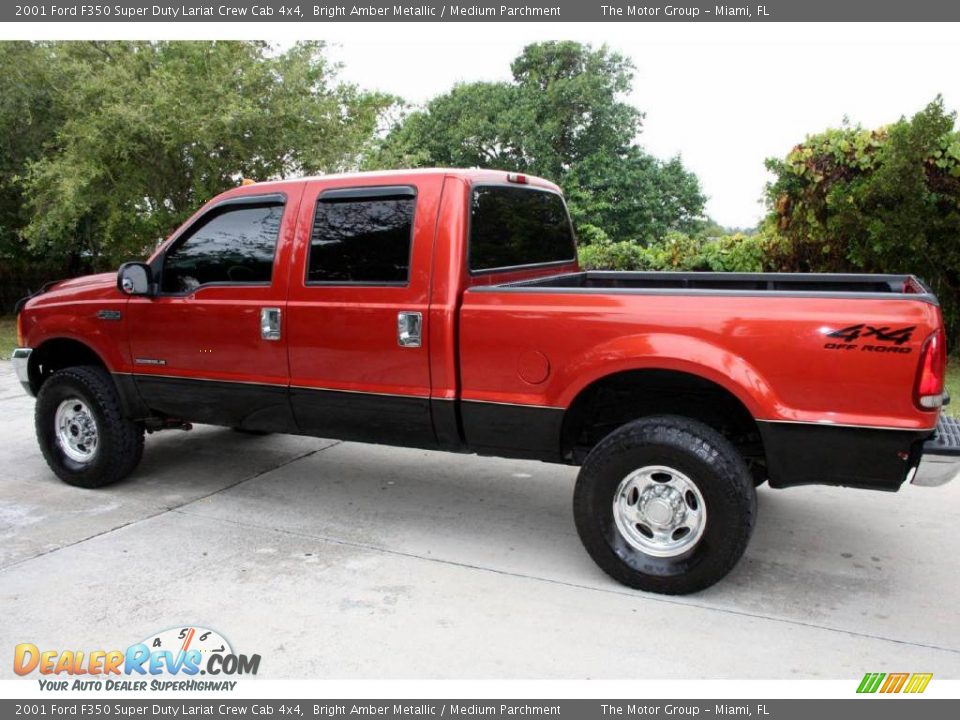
562 117
885 200
106 147
676 251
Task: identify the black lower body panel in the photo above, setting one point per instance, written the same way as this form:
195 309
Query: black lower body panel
363 417
383 419
520 431
821 454
243 405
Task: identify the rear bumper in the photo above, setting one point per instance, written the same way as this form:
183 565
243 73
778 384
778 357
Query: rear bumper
21 364
940 462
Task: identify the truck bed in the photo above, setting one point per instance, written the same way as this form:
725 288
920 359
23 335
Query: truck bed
816 284
797 350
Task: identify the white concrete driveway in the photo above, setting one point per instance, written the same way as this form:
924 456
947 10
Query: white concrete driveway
339 560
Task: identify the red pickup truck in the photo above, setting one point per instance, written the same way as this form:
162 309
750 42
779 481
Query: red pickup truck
445 309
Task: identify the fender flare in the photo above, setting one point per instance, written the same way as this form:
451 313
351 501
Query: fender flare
130 398
667 351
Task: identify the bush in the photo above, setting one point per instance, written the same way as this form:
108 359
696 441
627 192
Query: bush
676 251
884 200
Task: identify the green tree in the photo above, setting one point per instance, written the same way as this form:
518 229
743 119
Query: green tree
563 117
885 200
152 130
30 114
471 126
633 195
569 104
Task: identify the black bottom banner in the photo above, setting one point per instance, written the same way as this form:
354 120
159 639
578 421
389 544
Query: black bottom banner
876 708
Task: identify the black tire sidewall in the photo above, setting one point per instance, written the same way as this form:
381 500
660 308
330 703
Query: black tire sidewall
60 387
727 492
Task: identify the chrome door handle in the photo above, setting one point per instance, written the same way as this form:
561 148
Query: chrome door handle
409 329
270 323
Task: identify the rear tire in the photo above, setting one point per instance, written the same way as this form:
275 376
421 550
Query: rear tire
83 434
665 504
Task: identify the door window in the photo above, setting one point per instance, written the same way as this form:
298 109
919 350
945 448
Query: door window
362 237
234 245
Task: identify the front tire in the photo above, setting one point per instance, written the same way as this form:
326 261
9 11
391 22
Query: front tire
83 434
665 504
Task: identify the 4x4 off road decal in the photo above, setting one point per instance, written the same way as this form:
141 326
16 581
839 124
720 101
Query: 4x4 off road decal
871 338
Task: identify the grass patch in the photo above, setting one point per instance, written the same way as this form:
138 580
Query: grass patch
953 387
8 336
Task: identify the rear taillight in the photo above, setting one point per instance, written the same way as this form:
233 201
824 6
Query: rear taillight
911 286
928 393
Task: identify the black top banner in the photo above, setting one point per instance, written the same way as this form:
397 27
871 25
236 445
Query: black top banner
321 11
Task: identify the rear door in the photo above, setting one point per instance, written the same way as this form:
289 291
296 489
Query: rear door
357 309
211 346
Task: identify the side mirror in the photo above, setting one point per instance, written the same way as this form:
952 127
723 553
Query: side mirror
134 278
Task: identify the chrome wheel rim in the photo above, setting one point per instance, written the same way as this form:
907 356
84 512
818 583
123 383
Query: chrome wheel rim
659 511
77 432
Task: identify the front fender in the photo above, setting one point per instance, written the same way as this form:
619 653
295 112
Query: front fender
82 324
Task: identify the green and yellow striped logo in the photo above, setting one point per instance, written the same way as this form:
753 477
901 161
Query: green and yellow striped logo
894 682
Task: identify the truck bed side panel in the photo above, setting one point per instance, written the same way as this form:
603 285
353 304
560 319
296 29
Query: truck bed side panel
779 355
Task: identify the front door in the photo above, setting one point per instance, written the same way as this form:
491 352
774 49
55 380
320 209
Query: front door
211 347
357 310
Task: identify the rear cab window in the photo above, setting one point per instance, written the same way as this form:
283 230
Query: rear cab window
517 227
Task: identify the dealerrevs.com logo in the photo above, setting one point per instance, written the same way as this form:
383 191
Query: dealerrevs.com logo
170 660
